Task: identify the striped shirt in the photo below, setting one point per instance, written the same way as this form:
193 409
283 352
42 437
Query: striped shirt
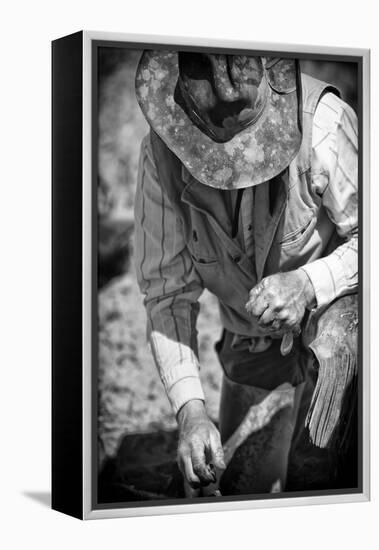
165 270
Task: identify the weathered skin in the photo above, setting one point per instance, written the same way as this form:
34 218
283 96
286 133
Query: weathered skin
256 154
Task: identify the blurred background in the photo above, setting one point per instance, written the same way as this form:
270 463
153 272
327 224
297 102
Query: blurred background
136 429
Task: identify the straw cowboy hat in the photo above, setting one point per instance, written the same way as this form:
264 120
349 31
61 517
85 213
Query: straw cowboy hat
234 121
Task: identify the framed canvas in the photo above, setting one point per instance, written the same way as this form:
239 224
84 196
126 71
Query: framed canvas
210 275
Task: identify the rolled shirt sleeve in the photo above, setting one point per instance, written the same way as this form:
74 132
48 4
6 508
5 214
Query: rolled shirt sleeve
169 283
335 179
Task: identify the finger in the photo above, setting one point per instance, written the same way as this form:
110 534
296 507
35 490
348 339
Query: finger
259 306
185 466
200 467
282 320
267 317
277 324
254 294
217 452
289 321
189 474
256 290
204 472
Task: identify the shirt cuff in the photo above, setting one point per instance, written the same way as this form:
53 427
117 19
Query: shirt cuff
178 368
326 276
185 390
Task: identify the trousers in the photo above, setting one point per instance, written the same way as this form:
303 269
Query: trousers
304 405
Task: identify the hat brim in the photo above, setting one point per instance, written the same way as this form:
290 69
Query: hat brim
255 155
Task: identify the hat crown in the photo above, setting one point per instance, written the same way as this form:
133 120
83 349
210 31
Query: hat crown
221 94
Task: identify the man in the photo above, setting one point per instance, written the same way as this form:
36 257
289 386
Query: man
248 187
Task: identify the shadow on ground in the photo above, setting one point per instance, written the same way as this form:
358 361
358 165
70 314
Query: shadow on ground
143 469
42 497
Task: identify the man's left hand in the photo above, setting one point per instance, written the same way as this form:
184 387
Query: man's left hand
278 302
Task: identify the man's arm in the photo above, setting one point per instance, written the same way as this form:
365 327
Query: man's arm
170 284
172 287
279 301
335 179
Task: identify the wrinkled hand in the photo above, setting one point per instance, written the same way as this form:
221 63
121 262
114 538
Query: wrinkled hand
278 302
200 449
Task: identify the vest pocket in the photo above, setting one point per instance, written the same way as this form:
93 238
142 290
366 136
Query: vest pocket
204 262
209 272
294 238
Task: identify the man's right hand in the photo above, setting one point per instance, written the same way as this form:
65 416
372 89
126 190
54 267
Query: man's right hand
200 446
